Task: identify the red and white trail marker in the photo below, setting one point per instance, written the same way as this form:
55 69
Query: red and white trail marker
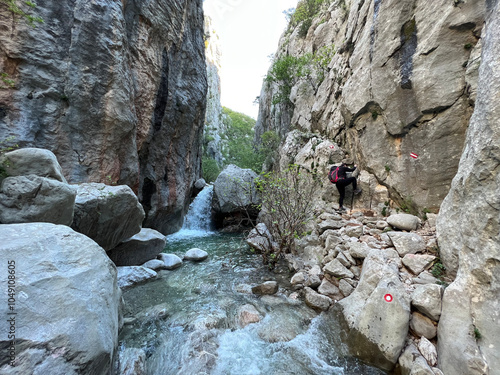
413 155
332 146
388 298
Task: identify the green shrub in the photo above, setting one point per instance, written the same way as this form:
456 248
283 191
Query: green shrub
304 14
210 169
22 9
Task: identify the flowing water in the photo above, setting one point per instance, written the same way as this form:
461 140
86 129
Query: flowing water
187 320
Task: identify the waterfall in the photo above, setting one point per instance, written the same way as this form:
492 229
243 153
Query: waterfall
197 222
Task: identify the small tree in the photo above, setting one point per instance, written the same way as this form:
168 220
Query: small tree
287 206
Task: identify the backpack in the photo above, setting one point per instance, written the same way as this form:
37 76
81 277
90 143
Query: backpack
333 175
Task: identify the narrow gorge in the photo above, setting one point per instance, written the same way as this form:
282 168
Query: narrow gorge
147 229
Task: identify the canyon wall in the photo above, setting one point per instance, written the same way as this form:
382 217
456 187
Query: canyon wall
117 90
403 80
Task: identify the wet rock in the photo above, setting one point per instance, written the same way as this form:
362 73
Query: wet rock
171 261
404 221
107 214
423 326
244 288
155 265
428 351
134 275
407 243
26 199
138 249
269 287
317 301
418 263
196 255
336 269
132 362
248 314
427 299
32 161
64 282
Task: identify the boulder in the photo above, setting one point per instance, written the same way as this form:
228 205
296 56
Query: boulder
377 313
132 362
107 214
345 287
134 275
407 243
404 221
200 184
328 289
248 314
336 269
421 367
155 265
196 255
138 249
235 188
317 301
418 263
407 359
423 326
358 250
31 161
267 288
427 299
260 238
26 199
428 351
171 261
67 301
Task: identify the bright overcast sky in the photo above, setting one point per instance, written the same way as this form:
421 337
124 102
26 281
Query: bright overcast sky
249 31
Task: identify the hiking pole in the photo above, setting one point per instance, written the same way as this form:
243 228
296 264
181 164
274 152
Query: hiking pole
352 201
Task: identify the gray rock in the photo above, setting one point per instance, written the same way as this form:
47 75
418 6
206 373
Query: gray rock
377 328
235 188
267 288
67 301
330 224
260 238
332 241
336 269
354 230
421 367
26 199
425 278
328 289
171 261
343 260
31 161
407 243
134 275
381 224
317 301
345 288
196 255
407 359
358 250
418 263
138 249
423 326
155 265
404 221
132 362
248 314
427 299
299 279
428 351
107 214
200 184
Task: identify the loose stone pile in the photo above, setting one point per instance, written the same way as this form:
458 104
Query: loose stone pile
377 272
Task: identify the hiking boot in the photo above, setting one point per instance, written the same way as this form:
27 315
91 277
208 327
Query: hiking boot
358 191
342 209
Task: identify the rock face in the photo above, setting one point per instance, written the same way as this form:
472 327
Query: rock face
468 227
117 90
67 301
26 199
402 81
107 214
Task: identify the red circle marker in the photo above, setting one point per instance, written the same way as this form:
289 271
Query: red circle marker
332 146
388 298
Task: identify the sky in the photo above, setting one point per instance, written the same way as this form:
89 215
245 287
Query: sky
249 32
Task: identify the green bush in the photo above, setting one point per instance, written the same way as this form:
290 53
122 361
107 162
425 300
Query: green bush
210 169
22 9
304 15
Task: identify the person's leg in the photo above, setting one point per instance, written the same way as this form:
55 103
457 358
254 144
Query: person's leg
341 189
353 181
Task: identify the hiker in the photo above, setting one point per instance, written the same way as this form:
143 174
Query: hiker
341 181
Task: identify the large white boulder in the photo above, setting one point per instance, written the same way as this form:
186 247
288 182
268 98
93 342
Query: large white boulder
107 214
66 301
138 249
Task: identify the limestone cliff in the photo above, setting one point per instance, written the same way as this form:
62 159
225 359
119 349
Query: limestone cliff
468 231
214 125
403 80
117 90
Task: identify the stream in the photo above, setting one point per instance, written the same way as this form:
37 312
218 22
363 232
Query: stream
187 320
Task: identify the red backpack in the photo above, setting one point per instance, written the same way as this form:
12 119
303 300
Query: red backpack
333 175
